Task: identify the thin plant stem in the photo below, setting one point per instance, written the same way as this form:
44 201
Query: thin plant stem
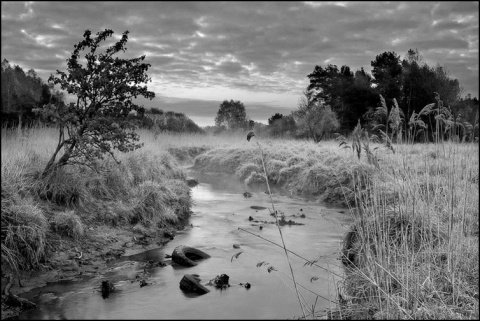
308 261
280 230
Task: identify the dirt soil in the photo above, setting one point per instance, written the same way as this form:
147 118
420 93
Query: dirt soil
69 259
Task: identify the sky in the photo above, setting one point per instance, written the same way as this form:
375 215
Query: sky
260 53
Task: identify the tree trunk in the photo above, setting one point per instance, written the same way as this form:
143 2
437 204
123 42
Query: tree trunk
66 156
72 143
50 165
19 128
53 167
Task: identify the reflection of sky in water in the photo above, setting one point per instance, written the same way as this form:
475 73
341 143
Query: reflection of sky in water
204 193
219 210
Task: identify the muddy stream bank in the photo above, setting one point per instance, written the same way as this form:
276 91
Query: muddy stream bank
219 210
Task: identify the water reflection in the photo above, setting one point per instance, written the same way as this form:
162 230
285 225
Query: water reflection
219 210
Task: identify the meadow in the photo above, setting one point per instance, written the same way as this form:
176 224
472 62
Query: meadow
411 253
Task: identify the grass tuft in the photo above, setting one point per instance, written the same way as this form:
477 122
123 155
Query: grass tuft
67 224
24 228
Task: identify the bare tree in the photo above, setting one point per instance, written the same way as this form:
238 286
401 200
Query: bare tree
314 119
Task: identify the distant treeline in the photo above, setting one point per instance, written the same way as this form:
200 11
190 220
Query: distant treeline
337 99
157 119
23 92
355 96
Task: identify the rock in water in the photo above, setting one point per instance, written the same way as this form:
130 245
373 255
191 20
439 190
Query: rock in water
191 283
255 207
106 288
220 281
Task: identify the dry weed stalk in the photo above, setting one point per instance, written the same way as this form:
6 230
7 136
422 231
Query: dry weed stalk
249 136
410 251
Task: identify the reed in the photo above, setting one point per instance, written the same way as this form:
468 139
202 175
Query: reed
412 251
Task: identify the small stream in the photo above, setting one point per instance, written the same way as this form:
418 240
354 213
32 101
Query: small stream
219 210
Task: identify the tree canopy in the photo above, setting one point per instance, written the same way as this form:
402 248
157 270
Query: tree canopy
387 75
105 89
314 119
281 126
348 94
275 117
231 115
411 82
21 92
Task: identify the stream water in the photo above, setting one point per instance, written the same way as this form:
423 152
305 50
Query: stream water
219 210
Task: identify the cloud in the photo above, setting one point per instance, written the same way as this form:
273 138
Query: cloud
443 42
451 25
455 7
229 68
384 24
246 48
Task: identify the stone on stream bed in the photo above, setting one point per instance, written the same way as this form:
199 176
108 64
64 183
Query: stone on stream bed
106 288
191 283
220 281
192 182
255 207
143 283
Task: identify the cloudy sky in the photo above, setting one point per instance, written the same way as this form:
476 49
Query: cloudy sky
257 52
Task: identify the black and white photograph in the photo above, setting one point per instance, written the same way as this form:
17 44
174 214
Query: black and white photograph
239 160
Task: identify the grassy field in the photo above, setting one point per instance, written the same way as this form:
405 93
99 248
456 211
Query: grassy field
411 253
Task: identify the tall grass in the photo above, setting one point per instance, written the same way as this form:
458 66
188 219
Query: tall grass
146 189
415 255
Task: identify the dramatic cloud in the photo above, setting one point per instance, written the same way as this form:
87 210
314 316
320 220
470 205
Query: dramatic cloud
257 52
